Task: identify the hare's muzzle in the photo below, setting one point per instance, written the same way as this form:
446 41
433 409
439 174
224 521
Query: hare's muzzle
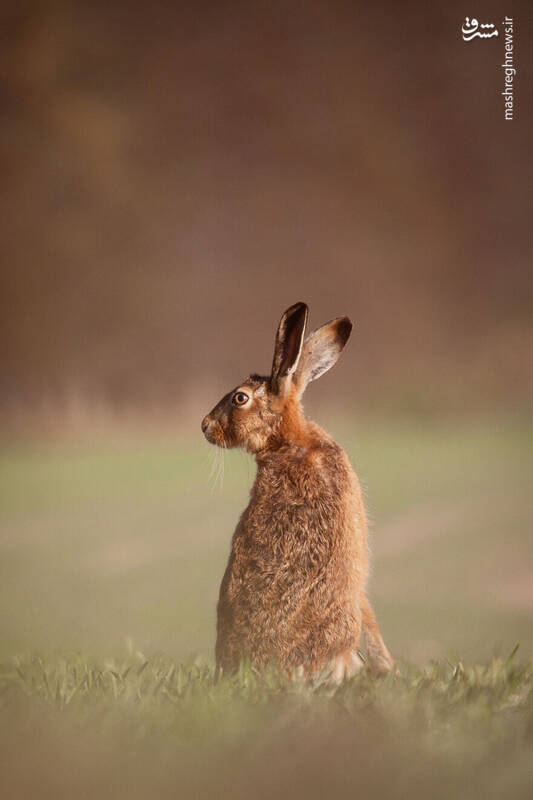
205 424
212 431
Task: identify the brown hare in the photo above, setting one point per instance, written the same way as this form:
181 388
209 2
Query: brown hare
294 590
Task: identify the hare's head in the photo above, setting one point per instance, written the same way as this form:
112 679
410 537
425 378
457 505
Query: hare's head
261 412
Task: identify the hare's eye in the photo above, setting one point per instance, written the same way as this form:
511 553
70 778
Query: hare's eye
240 399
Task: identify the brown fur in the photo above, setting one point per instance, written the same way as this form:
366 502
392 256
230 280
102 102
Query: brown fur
294 588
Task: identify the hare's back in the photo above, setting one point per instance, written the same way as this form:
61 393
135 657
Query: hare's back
305 494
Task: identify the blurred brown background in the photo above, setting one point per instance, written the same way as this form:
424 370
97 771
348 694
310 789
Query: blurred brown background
174 175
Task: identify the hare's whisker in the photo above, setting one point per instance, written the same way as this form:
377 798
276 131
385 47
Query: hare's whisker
218 466
222 464
214 469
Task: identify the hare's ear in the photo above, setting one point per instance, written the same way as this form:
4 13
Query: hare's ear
321 351
289 340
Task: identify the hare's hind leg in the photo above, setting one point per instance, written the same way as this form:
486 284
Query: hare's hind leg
380 660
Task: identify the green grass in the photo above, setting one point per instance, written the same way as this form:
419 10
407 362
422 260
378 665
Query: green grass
154 728
117 544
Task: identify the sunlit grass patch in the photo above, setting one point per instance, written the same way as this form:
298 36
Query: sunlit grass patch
436 729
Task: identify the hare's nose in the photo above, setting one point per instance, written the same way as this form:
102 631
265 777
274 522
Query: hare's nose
205 424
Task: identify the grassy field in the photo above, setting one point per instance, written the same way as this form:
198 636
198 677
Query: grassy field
138 728
113 547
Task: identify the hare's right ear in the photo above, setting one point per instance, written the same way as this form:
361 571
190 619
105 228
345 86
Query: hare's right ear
321 351
289 340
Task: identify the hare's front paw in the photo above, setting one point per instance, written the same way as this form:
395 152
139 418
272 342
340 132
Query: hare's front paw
345 666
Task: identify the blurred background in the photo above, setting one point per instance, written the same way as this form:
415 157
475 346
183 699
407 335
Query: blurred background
174 176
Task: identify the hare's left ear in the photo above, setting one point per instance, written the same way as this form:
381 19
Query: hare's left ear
289 340
321 351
